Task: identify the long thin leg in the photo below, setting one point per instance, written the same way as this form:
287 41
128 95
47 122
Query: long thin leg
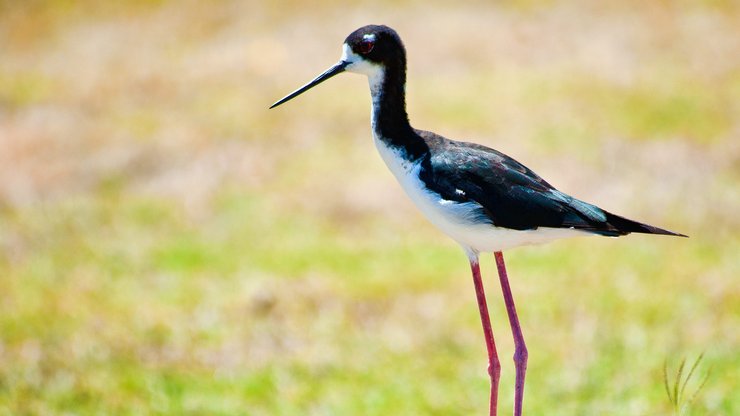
494 366
520 349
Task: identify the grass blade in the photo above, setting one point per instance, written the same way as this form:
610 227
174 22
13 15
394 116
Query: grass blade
690 374
666 384
676 383
701 386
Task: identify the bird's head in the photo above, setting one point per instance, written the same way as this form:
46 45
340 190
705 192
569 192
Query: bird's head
369 50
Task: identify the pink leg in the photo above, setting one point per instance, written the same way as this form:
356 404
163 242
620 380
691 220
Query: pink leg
520 350
494 366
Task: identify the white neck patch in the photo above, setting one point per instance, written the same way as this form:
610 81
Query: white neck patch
375 73
360 65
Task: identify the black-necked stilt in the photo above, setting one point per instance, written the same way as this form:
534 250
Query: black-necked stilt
483 199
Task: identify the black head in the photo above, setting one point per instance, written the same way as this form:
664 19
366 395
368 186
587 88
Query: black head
369 50
377 44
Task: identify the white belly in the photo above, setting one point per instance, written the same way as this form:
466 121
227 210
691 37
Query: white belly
456 219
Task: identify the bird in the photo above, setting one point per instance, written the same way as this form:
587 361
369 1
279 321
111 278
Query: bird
483 199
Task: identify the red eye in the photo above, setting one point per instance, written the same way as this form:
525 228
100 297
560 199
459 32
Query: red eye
365 46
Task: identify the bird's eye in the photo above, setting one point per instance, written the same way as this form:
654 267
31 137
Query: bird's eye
365 46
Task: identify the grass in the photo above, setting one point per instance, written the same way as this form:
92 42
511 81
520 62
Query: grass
169 246
677 392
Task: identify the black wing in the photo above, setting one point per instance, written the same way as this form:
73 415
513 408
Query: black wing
510 194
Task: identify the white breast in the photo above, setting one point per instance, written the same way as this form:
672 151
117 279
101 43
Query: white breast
455 219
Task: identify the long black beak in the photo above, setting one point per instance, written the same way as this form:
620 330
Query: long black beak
336 69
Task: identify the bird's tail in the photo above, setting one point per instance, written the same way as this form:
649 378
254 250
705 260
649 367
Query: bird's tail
622 226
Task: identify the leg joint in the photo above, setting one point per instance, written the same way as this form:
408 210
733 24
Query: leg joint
494 368
521 354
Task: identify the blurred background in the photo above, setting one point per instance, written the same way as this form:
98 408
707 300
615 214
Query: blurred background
170 246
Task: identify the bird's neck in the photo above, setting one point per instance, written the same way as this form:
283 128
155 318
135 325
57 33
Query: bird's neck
389 120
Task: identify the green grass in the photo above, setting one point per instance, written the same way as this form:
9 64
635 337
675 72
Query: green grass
169 246
130 308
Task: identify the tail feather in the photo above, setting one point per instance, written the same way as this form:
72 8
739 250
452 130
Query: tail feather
617 225
591 218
